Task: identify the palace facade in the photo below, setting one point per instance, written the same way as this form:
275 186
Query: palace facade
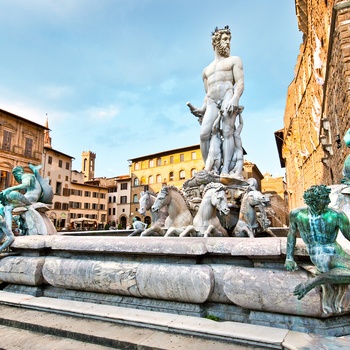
318 100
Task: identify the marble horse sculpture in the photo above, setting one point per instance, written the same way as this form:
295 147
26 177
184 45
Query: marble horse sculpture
28 209
253 201
206 222
147 199
179 213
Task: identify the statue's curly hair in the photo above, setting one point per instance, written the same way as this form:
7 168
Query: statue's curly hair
217 33
315 193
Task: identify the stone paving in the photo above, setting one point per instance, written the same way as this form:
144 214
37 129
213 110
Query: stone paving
65 324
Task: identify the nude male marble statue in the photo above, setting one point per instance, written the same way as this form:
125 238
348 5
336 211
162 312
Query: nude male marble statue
224 84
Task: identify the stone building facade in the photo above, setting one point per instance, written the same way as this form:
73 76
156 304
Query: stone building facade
275 187
21 142
119 189
57 167
317 107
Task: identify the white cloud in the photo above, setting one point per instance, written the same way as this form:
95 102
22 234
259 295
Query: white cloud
102 113
56 92
168 86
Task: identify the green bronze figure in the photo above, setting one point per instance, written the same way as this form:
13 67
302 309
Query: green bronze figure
318 226
6 234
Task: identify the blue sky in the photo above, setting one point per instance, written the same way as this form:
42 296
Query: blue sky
114 76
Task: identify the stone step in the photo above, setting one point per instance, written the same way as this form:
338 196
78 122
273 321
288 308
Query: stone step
22 328
126 328
19 339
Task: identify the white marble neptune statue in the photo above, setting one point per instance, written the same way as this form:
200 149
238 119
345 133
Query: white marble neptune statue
224 84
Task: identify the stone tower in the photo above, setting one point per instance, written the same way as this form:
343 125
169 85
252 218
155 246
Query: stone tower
88 165
47 138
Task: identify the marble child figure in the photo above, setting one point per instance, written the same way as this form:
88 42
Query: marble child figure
224 84
318 226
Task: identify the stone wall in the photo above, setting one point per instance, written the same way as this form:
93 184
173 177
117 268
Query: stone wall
236 279
317 108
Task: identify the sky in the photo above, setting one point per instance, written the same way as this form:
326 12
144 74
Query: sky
114 76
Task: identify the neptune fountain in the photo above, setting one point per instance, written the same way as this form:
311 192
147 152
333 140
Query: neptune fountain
205 256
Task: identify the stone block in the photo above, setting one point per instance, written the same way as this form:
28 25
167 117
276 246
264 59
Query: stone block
175 282
257 247
22 270
33 242
218 294
140 245
96 276
271 290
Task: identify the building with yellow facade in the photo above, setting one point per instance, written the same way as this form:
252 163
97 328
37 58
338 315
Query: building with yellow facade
153 171
171 168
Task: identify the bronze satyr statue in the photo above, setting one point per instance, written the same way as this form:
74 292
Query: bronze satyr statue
318 226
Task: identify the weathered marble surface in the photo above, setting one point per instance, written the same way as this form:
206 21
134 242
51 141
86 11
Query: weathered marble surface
138 245
241 275
175 282
270 290
90 275
22 270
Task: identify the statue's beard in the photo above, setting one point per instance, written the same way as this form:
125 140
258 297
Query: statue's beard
223 50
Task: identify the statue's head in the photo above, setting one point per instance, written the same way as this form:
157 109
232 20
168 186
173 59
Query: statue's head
17 172
317 196
221 40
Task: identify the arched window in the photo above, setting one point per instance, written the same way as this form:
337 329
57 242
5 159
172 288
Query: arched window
159 161
182 174
151 163
137 166
159 178
136 198
171 176
136 181
150 179
193 171
114 199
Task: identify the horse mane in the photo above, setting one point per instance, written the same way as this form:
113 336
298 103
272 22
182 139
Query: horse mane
174 188
218 186
151 193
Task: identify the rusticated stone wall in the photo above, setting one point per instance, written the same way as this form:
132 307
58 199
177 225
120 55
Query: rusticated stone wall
337 104
317 107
